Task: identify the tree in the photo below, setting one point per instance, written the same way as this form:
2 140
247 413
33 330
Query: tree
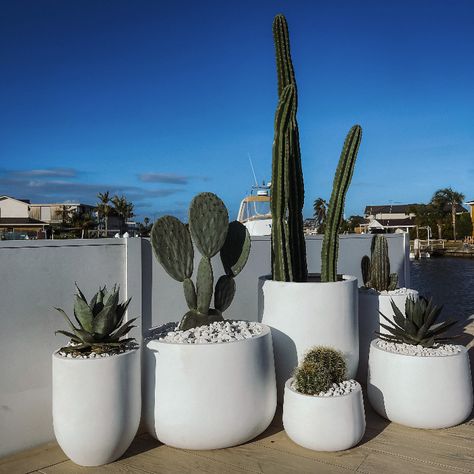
83 221
320 207
123 208
104 208
447 199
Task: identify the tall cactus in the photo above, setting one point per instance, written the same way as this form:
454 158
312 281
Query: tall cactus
342 179
376 269
211 233
288 244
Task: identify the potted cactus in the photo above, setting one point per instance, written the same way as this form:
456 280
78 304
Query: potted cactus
416 377
305 310
213 381
322 410
380 287
96 381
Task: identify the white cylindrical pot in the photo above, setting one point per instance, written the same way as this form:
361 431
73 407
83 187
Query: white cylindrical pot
420 391
324 423
96 406
211 396
371 304
303 315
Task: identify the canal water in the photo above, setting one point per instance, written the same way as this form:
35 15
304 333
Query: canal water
449 280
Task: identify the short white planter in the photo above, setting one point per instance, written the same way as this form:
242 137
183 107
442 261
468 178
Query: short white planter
420 391
96 406
370 303
303 315
324 423
211 396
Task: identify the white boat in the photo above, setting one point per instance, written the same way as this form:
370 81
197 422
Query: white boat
255 213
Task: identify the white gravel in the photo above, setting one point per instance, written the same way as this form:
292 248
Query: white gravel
222 331
409 349
92 355
337 389
397 291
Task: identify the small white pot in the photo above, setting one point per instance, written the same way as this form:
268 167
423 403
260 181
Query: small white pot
370 303
303 315
324 423
420 391
96 406
211 396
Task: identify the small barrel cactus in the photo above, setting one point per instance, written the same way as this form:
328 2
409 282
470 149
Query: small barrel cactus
100 322
209 230
320 369
376 268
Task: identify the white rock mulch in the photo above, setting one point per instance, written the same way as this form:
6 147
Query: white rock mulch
397 291
97 355
409 349
337 389
222 331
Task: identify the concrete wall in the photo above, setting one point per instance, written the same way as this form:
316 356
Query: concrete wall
37 275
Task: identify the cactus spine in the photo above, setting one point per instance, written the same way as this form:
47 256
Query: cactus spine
342 179
288 244
376 269
211 233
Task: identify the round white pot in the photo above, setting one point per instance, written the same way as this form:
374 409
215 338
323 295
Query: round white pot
324 423
96 406
420 391
370 303
303 315
211 396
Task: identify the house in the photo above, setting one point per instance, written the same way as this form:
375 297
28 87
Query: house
15 217
53 213
389 218
471 204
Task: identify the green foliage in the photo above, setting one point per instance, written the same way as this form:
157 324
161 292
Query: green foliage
342 180
321 367
464 225
418 325
99 322
210 231
376 269
288 244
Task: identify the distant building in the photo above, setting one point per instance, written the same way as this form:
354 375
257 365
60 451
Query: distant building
389 218
53 213
471 204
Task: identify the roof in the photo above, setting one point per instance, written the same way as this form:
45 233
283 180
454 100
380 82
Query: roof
396 222
23 201
388 209
20 221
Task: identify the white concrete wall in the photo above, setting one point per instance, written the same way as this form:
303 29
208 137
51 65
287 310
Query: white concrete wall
13 208
38 275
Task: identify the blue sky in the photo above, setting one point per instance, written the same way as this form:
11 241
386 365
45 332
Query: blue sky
160 100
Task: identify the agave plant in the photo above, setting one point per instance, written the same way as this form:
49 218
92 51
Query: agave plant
100 327
417 326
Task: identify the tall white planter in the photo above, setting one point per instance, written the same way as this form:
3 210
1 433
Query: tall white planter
420 391
211 396
324 423
371 304
96 406
303 315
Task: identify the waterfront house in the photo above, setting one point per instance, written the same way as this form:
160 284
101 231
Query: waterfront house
471 204
389 218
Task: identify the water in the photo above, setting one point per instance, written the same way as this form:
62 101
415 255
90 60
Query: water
450 281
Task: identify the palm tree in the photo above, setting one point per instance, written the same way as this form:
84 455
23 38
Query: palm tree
104 208
448 198
83 221
320 207
123 208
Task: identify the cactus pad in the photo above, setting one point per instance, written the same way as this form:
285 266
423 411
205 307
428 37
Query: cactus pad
192 319
236 249
224 292
190 294
204 285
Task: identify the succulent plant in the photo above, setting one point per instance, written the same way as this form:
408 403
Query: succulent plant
342 179
99 322
319 370
376 268
417 326
288 243
211 233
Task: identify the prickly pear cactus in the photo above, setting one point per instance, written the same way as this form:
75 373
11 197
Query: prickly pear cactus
376 269
211 233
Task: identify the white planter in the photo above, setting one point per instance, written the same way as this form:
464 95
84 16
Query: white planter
96 406
420 391
211 396
370 303
303 315
324 423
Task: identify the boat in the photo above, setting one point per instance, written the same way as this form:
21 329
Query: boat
254 211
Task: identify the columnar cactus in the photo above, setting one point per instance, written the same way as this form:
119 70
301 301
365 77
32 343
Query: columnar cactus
342 179
211 233
288 244
376 268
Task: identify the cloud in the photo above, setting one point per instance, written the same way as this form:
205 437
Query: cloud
46 173
163 178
